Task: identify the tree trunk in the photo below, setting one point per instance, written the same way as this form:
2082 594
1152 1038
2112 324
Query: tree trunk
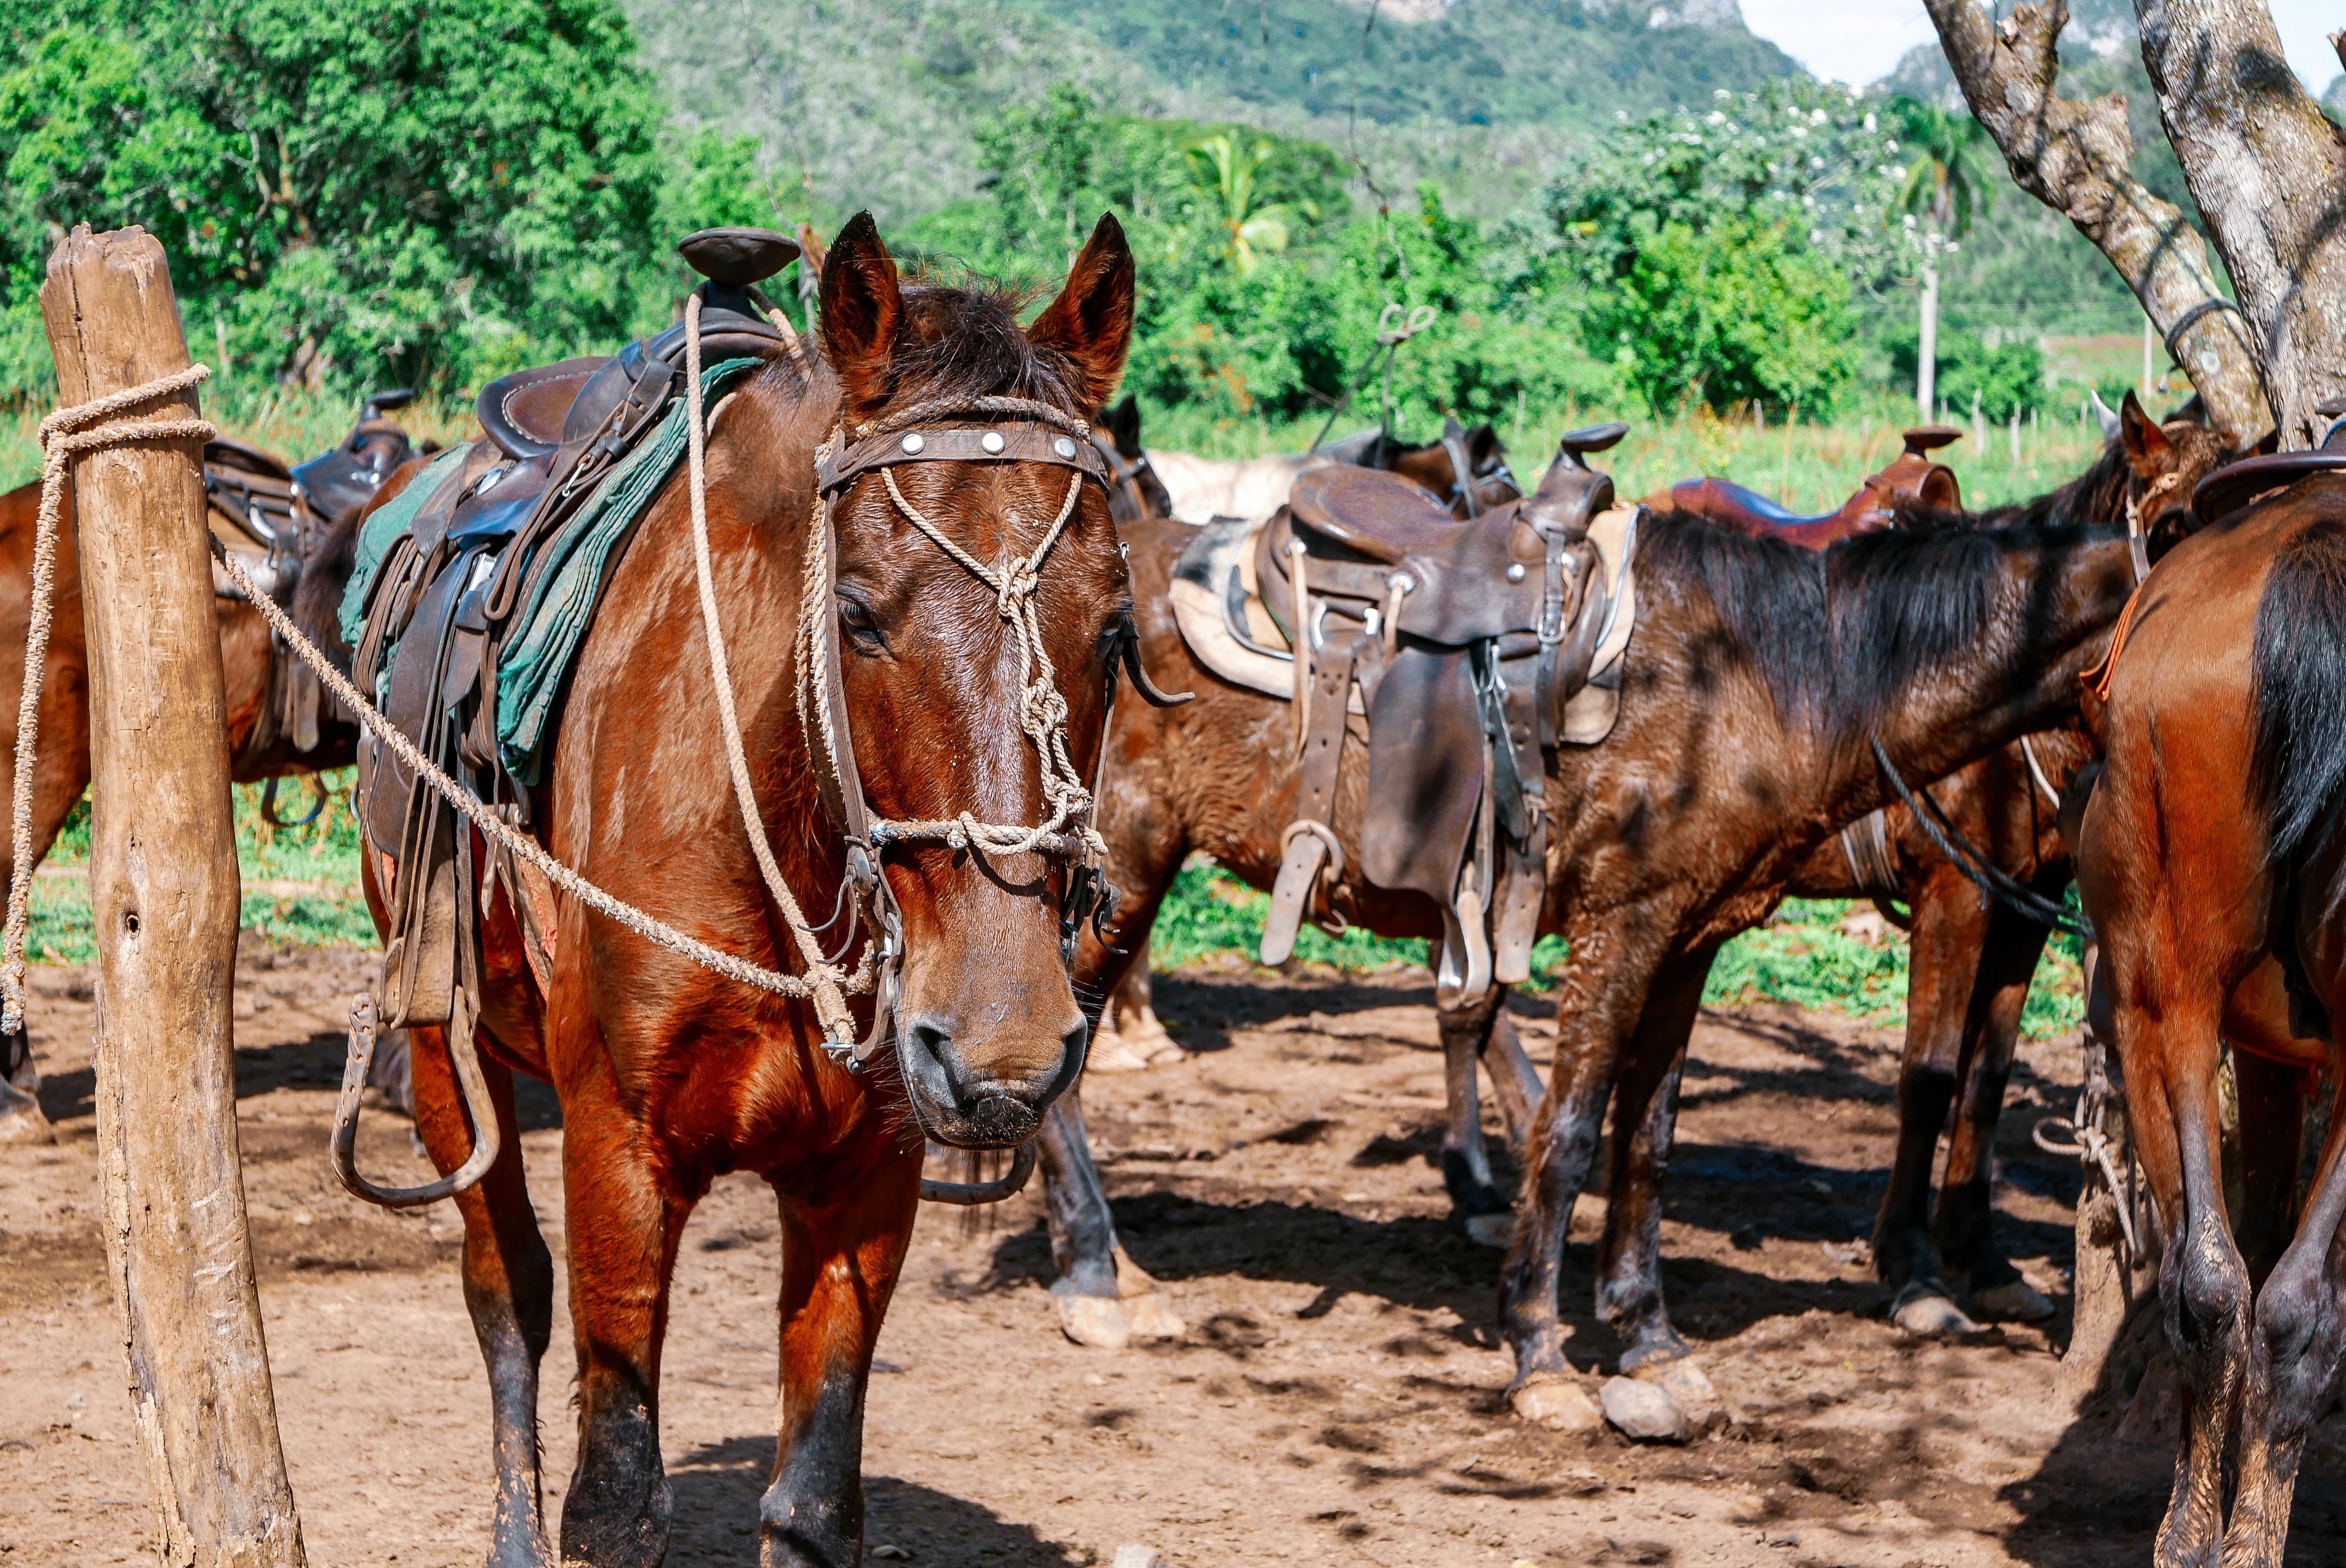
2268 172
164 897
1926 351
2074 158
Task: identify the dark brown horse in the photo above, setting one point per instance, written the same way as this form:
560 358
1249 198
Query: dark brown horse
670 1075
2211 862
260 744
1970 971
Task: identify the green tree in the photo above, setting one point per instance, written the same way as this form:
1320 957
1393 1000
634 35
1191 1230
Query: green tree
426 190
1225 166
1945 176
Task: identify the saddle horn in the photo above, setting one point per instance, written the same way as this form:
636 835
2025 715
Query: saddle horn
738 258
1573 446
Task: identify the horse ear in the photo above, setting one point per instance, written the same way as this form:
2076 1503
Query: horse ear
2146 446
1122 419
1482 444
861 309
1091 320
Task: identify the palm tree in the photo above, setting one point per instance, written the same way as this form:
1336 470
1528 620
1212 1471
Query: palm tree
1943 152
1227 169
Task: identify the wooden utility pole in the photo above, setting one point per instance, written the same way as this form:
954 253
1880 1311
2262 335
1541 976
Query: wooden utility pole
164 894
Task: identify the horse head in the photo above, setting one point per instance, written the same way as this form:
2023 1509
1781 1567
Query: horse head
982 605
1437 466
2165 462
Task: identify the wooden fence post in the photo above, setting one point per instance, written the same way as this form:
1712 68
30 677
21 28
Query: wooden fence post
164 893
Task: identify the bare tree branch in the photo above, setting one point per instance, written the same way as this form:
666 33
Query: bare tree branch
2073 156
2268 172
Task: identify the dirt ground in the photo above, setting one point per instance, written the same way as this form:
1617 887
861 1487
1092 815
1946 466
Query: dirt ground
1336 1399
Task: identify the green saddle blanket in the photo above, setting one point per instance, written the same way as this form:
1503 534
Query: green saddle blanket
564 584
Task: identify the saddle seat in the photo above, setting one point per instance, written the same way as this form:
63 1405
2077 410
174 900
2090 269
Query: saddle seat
1913 476
1468 646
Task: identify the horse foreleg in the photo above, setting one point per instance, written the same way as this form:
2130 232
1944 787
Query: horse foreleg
1965 1225
2294 1352
1603 994
1950 931
508 1285
839 1262
624 1217
1645 1119
1465 1166
1083 1232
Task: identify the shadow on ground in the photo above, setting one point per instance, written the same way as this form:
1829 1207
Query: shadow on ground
718 1488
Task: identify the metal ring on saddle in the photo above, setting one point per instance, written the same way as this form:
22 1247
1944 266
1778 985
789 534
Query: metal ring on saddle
1320 831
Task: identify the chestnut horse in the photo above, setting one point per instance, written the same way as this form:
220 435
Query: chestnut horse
2211 862
256 750
668 1074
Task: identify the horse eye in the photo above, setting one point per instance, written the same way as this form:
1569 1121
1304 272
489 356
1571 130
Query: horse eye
862 625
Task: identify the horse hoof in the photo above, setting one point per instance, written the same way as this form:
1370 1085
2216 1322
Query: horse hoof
2013 1301
1928 1315
1556 1401
21 1121
1645 1411
1097 1321
1151 1317
1112 1053
1687 1387
1491 1229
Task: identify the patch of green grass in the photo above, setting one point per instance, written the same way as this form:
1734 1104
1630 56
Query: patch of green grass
1810 955
300 884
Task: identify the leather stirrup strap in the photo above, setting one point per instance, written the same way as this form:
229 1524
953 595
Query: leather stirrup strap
1310 838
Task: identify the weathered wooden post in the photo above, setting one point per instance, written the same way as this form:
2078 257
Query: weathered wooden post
164 893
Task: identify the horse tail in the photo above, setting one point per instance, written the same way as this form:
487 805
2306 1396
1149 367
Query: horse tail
2297 770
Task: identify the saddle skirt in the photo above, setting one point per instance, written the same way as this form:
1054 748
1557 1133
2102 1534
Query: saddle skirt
1470 649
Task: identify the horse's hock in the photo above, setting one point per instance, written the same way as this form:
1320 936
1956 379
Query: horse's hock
164 894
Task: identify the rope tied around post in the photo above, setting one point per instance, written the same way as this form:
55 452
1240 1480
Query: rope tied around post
65 435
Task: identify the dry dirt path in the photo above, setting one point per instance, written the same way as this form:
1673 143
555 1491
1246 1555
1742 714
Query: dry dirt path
1336 1399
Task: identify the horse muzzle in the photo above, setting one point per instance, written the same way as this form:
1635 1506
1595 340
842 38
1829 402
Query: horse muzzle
984 1092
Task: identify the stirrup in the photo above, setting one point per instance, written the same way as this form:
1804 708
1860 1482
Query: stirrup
1309 846
477 1104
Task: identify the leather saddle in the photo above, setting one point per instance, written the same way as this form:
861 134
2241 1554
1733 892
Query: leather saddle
468 538
1467 642
2229 488
1913 476
275 518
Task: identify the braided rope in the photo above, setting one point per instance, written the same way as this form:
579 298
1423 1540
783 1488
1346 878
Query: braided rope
826 983
63 435
497 831
1042 710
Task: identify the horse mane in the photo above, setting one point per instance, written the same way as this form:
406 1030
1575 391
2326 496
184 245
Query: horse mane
963 340
1837 635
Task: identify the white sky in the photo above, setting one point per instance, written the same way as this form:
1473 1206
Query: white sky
1860 41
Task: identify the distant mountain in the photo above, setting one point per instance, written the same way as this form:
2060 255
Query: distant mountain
870 103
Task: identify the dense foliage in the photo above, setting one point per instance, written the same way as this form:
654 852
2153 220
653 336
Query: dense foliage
422 190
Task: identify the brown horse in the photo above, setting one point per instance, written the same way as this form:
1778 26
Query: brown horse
668 1074
2210 862
259 747
1970 971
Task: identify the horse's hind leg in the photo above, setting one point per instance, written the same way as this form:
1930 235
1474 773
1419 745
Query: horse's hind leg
1465 1166
509 1286
58 781
1950 933
1965 1225
839 1262
2294 1351
1515 1082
